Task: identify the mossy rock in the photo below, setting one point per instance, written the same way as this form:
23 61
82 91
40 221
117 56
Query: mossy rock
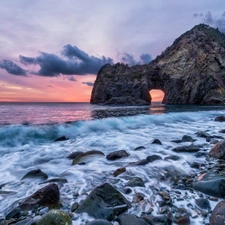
55 217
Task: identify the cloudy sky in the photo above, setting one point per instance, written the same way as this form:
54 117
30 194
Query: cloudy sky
51 50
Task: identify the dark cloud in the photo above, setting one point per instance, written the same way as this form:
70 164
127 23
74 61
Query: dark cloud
73 62
217 22
129 59
72 79
91 84
12 68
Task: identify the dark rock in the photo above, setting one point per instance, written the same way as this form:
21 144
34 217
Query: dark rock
46 196
189 148
141 162
119 171
218 150
191 71
117 155
104 202
28 221
74 206
202 203
55 217
187 138
134 182
157 142
86 156
139 148
129 219
15 213
202 134
200 154
99 222
210 184
183 220
157 220
152 158
220 118
172 157
73 155
195 165
218 217
222 131
63 138
35 174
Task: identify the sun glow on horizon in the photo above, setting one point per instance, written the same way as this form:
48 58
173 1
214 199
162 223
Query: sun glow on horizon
157 95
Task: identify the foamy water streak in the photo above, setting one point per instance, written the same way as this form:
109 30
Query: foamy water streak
27 147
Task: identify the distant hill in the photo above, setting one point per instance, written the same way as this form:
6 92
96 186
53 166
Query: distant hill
190 71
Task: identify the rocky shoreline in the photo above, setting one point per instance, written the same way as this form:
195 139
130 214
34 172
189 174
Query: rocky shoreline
195 198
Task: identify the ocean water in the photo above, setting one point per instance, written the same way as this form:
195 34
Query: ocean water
28 131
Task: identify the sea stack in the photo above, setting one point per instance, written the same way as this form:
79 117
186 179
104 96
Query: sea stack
190 71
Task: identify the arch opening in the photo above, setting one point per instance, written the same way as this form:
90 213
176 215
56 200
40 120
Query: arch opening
157 95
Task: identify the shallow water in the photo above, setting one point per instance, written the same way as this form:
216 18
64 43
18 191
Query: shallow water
27 134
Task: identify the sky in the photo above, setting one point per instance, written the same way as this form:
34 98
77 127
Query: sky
52 50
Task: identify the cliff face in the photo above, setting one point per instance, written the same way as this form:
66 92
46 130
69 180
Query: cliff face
191 71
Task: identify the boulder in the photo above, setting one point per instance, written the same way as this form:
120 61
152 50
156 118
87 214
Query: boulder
218 216
220 118
55 217
104 202
47 196
117 155
152 158
218 150
189 148
211 184
119 171
157 142
35 174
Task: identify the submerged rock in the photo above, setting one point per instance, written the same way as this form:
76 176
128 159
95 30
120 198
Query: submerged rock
129 219
220 118
139 148
86 156
172 157
189 148
203 203
134 182
55 217
157 142
218 150
117 155
218 216
152 158
63 138
210 184
35 174
104 202
119 171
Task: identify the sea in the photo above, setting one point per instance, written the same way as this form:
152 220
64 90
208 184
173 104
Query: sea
27 142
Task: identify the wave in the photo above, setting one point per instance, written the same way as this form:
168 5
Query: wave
18 135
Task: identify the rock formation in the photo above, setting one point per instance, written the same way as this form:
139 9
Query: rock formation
190 71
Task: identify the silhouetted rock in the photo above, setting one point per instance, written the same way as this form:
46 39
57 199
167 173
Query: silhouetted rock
190 71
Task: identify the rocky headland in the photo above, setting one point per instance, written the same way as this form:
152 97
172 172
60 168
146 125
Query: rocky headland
190 71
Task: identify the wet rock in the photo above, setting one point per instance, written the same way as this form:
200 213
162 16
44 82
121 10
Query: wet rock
189 148
222 131
202 203
86 156
129 219
183 220
214 141
135 182
14 213
172 157
139 148
28 221
104 202
47 196
187 138
195 165
55 217
200 154
218 150
74 206
117 155
119 171
73 155
202 134
152 158
210 184
63 138
218 216
157 220
138 197
220 119
141 162
35 174
157 142
99 222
